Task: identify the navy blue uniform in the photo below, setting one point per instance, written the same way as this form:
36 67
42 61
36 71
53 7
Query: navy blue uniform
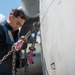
6 42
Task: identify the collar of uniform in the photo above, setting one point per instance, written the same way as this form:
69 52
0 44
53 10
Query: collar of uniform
7 25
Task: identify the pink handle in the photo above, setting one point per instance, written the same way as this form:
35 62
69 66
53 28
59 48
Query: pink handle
30 57
19 44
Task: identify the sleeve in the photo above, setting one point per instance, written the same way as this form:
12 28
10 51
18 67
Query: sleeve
15 35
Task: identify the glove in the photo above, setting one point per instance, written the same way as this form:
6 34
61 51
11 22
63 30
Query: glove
19 44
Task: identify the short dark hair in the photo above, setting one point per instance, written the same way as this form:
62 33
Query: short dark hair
18 12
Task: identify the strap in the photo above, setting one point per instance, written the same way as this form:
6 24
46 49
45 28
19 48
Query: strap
10 35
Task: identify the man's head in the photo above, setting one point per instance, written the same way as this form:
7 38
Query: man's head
16 19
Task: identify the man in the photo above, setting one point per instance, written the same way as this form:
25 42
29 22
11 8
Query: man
9 35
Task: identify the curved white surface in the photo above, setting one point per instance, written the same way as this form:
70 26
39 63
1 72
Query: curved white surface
30 7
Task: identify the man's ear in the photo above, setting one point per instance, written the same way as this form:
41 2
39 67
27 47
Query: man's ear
10 17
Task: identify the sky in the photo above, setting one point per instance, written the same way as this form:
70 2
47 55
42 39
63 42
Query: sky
6 6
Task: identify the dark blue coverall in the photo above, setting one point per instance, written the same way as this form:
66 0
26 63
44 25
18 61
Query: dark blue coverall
5 46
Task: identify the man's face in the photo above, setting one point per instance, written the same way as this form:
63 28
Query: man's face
16 23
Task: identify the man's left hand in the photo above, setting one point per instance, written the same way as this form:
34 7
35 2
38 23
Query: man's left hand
19 44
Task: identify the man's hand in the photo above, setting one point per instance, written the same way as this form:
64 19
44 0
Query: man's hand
19 44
